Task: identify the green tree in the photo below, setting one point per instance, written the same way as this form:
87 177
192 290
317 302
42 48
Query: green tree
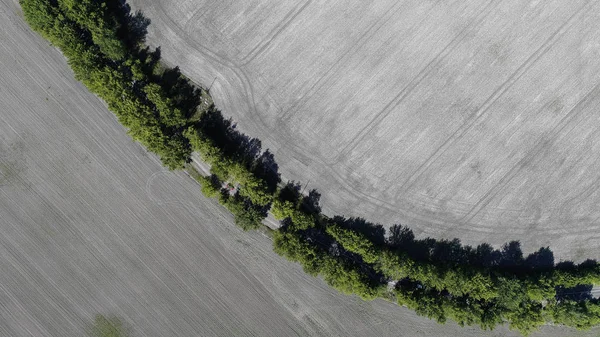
94 16
354 242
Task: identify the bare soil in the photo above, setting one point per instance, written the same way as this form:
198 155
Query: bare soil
462 119
91 223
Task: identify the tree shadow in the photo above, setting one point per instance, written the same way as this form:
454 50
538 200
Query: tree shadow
450 252
508 260
133 26
290 192
541 260
240 147
233 143
267 169
581 292
308 204
150 59
311 202
178 88
132 30
137 28
374 232
509 257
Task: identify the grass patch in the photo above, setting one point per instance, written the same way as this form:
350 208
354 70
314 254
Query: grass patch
108 327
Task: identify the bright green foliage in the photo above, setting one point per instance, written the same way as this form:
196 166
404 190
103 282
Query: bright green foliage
424 302
395 266
228 169
526 318
144 124
110 81
460 281
251 186
469 295
338 271
283 209
347 277
247 215
354 242
512 293
578 314
293 246
513 304
42 17
165 106
304 239
94 16
540 286
587 272
211 187
209 152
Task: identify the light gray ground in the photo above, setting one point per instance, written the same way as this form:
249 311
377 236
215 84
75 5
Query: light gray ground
469 119
90 223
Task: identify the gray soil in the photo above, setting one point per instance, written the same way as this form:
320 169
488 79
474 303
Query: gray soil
475 120
91 223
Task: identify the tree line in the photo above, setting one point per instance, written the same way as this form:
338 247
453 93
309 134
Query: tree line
441 279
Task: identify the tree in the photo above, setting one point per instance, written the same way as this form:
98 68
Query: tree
247 215
94 16
354 242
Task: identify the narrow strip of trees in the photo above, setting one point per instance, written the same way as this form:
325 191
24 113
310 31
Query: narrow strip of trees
86 33
103 43
439 279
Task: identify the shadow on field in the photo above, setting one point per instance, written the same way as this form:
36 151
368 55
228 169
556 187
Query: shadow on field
133 26
579 293
309 204
449 254
508 261
181 94
185 96
240 147
375 232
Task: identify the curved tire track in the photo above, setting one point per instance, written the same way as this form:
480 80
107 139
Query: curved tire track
281 26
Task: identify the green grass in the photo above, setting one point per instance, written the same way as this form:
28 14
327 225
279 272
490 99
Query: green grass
107 327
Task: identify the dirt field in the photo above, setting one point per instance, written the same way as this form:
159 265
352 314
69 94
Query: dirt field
92 224
476 120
